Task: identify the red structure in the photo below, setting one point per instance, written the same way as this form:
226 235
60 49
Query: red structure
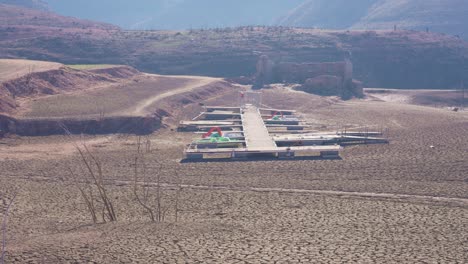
213 129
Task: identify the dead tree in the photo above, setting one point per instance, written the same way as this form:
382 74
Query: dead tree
177 195
152 203
87 195
151 196
141 192
95 182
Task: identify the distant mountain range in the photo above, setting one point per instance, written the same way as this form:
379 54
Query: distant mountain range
446 16
176 14
401 59
330 14
36 19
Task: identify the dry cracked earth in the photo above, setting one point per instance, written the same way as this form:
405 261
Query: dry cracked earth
405 202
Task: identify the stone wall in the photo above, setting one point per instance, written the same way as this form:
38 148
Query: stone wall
327 78
329 85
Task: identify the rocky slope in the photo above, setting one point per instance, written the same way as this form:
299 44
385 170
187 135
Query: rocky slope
401 59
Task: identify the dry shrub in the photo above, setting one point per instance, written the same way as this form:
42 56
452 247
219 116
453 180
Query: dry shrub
156 203
90 183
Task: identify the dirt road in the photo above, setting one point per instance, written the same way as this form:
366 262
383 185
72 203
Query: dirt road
196 82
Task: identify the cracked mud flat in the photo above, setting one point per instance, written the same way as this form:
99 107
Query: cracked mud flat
247 212
244 227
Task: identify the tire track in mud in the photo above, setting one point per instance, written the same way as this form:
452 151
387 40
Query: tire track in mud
403 197
367 195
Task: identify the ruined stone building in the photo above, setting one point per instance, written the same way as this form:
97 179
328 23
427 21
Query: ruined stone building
326 78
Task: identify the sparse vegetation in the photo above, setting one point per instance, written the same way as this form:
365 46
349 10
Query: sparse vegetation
154 198
233 52
141 186
226 204
121 198
90 181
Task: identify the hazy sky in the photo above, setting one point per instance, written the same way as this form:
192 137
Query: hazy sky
177 14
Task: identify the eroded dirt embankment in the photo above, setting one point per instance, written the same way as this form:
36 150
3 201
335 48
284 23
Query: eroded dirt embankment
108 125
57 81
151 114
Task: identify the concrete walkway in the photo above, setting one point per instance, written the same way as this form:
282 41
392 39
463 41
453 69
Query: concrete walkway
255 131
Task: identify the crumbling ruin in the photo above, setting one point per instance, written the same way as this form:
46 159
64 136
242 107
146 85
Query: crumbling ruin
326 78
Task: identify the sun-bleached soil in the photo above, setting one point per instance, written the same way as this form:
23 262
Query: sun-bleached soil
12 69
132 98
434 98
405 202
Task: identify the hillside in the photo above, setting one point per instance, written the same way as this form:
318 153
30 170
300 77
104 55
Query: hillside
17 16
327 14
402 59
26 79
93 98
448 16
13 69
176 14
439 16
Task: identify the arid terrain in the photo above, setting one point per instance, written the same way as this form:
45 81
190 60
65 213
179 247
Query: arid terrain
131 98
92 166
12 69
405 202
456 99
43 96
383 58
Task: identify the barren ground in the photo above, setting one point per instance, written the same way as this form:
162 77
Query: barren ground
434 98
399 203
12 69
133 97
